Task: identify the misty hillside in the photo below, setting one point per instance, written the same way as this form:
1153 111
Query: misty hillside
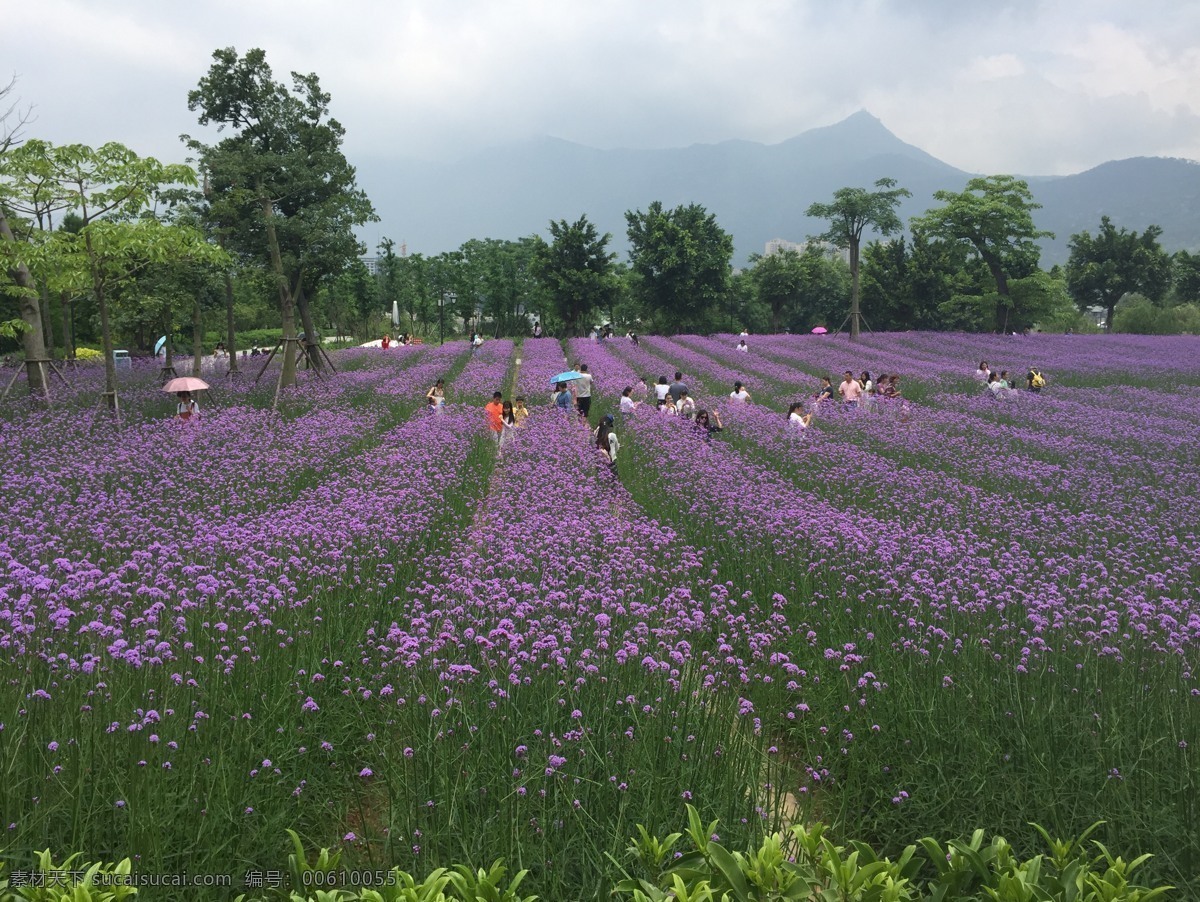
757 191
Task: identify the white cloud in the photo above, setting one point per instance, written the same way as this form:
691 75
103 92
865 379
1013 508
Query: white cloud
1029 85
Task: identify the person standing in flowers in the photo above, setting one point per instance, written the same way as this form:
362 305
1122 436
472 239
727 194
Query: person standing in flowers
628 405
706 425
850 390
740 394
187 408
494 410
685 406
436 396
797 419
562 397
606 440
508 422
825 392
678 388
662 391
520 411
583 391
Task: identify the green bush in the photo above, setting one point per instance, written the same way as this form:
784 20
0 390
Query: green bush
803 864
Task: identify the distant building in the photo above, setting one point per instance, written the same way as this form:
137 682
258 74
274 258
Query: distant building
777 245
372 264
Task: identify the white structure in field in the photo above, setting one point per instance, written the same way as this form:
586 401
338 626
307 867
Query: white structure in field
777 245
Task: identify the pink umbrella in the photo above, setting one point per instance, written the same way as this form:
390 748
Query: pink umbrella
185 383
820 330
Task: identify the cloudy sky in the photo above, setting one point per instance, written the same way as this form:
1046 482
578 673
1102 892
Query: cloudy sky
1035 88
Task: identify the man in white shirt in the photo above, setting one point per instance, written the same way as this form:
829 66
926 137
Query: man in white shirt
583 391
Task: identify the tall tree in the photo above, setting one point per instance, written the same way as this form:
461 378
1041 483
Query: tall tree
904 281
1185 277
681 260
993 215
284 176
1115 262
113 192
576 270
852 211
800 289
777 280
29 324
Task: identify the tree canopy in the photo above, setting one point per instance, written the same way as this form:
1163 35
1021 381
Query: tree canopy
1104 268
850 213
113 192
680 259
576 271
993 215
280 184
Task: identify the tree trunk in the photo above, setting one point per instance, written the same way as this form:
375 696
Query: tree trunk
197 338
310 332
65 302
854 311
997 271
230 331
47 330
168 346
33 343
776 315
287 309
106 342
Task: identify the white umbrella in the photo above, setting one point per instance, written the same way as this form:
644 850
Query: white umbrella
395 313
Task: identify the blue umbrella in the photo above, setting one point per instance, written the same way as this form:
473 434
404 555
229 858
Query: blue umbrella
158 345
568 376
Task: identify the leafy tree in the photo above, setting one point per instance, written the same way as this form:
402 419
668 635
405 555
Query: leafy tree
281 179
905 282
1103 269
390 277
576 270
777 281
681 259
993 216
852 211
113 191
800 290
498 275
28 325
1185 277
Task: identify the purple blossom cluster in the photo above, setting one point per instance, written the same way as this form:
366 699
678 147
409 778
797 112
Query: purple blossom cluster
357 616
485 372
541 358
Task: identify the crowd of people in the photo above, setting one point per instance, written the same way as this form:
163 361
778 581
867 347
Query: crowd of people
399 341
1000 385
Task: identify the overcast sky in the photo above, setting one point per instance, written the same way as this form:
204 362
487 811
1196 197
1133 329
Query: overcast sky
1035 88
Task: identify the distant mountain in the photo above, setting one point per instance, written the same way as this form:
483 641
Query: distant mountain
757 191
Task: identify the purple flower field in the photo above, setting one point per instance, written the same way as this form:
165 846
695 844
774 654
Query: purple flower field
359 620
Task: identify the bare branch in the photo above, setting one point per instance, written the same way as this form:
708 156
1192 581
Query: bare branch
11 133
